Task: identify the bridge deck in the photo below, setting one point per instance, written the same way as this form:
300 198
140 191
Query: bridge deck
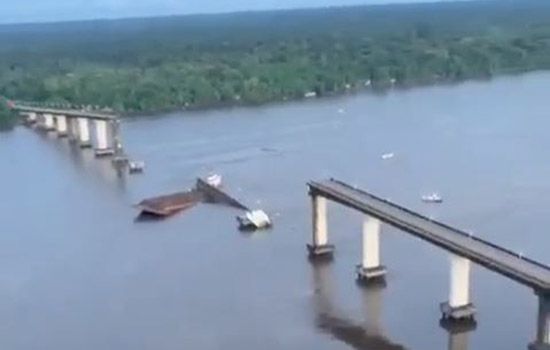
67 112
503 261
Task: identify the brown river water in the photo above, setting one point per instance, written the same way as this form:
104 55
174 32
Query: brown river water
77 272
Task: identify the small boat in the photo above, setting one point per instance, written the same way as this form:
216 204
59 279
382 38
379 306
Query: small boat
387 156
214 180
432 198
135 167
310 94
254 220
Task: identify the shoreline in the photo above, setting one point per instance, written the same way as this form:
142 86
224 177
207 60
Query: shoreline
373 90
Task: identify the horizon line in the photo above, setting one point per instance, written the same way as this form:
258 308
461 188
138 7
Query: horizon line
383 3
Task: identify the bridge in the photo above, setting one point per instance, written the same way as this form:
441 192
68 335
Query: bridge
74 113
75 124
464 249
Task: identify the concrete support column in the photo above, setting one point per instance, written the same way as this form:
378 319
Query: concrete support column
116 139
320 227
25 117
84 133
40 121
61 125
459 306
320 246
543 325
31 119
49 123
370 268
459 294
103 137
120 160
72 126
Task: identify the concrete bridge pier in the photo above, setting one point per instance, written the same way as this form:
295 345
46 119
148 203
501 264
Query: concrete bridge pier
543 324
72 129
39 121
370 269
104 139
31 118
320 246
61 125
459 306
49 123
25 117
84 133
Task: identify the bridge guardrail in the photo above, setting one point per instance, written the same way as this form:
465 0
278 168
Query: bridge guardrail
448 227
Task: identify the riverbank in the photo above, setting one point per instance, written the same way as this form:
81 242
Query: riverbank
7 117
243 59
356 90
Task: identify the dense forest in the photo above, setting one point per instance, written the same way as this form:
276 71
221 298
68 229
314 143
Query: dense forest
146 65
7 117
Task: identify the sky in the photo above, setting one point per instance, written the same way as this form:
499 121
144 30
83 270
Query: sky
17 11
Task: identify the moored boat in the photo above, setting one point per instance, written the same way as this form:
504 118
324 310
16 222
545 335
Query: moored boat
136 167
432 198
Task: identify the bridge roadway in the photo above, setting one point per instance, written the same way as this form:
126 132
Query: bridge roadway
66 112
503 261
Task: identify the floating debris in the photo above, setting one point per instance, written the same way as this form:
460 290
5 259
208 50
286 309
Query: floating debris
211 194
206 191
254 220
268 150
169 204
214 180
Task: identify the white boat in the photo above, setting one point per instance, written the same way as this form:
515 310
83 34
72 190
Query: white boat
387 156
136 167
214 180
310 94
254 220
432 198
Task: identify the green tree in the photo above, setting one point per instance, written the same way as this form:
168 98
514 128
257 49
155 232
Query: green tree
7 116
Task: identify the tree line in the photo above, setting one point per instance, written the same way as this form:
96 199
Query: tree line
148 65
7 116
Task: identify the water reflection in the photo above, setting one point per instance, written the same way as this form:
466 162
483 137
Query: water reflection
459 334
330 320
372 302
458 341
85 160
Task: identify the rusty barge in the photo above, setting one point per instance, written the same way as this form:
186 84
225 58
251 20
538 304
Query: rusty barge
166 205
